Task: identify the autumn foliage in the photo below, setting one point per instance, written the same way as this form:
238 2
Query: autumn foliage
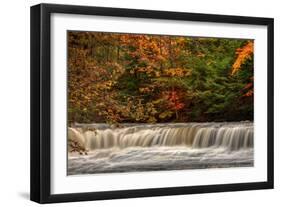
151 78
244 54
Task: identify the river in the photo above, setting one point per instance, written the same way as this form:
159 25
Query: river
153 147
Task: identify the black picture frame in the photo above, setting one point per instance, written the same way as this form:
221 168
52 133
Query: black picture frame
41 96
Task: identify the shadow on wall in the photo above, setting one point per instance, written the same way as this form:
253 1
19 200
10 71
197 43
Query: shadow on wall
24 195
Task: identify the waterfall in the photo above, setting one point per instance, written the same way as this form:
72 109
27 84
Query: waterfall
233 136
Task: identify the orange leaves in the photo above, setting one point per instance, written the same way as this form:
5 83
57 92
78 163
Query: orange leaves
146 49
243 54
117 77
249 93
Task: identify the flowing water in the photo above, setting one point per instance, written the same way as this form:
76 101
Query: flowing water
150 147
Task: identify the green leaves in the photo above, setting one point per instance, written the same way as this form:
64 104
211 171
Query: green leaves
150 78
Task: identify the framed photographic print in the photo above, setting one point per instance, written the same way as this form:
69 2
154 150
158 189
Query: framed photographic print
132 103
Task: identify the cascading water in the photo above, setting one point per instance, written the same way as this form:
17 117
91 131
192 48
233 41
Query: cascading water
142 147
231 136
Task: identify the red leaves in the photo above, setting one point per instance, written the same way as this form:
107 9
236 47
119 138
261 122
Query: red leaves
174 99
249 85
249 88
249 93
115 77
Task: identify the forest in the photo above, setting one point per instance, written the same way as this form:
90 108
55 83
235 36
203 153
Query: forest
141 78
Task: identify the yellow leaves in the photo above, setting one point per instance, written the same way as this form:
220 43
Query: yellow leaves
132 71
152 119
147 78
181 41
200 54
144 90
86 97
149 70
210 62
150 108
243 54
157 101
177 72
157 73
139 111
170 72
105 85
165 114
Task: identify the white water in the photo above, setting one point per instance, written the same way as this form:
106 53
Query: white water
161 147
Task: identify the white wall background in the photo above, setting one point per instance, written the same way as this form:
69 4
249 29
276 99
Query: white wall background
14 101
